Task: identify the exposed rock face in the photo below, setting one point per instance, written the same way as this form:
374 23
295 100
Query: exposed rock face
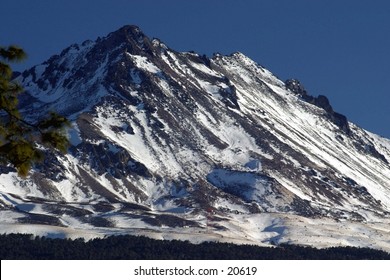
168 139
296 87
321 101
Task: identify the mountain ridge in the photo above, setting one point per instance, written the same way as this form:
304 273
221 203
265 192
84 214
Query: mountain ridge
175 144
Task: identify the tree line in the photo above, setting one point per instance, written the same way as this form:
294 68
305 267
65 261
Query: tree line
27 246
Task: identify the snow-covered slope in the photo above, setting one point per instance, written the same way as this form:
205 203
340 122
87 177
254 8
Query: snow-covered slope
178 145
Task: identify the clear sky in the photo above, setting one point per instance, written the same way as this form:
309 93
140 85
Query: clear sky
338 48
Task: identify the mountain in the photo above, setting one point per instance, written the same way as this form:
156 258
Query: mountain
177 145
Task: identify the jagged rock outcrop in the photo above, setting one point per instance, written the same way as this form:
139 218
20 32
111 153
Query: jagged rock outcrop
321 101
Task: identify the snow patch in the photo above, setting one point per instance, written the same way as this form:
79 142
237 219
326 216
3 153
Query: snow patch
248 186
143 63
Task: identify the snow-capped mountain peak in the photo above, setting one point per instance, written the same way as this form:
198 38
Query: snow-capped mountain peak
181 145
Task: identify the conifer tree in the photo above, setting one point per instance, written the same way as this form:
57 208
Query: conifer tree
21 141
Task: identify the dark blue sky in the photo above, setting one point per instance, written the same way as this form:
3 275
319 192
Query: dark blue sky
338 48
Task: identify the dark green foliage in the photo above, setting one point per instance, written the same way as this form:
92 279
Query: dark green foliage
19 139
26 246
